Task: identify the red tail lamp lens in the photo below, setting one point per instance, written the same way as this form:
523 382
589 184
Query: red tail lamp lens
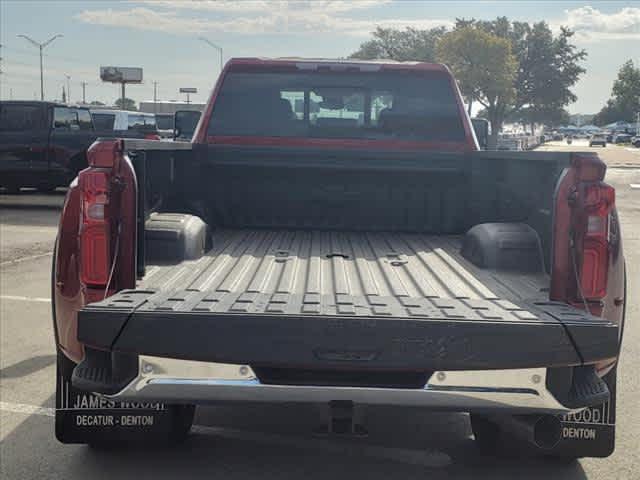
95 233
597 202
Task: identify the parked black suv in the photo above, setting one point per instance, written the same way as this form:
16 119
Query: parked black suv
42 144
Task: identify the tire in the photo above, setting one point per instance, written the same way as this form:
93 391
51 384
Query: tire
487 435
491 440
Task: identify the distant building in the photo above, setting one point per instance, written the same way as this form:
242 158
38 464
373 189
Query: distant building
169 106
580 119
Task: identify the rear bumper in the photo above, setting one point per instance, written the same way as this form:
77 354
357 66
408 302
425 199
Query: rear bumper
184 381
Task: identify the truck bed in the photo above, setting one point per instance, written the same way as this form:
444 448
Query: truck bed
321 299
359 273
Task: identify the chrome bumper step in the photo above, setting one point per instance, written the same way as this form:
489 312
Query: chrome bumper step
183 381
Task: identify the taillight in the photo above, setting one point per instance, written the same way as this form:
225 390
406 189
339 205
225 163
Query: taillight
152 136
595 201
95 221
95 229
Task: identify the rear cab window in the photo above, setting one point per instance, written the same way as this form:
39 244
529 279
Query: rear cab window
84 119
141 122
164 122
15 118
382 105
65 118
103 121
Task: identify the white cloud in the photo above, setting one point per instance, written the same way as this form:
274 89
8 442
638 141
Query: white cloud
211 5
143 19
592 25
257 17
238 6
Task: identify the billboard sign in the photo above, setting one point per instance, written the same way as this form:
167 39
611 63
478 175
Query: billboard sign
121 74
188 90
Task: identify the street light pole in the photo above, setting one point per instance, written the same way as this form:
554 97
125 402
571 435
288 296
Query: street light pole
211 44
41 47
155 97
68 87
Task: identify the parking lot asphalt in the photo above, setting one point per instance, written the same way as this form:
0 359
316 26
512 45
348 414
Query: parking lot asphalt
268 441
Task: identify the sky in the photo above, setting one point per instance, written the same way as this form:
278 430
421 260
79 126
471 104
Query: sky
162 37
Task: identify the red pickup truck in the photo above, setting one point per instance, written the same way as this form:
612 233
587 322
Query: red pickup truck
332 234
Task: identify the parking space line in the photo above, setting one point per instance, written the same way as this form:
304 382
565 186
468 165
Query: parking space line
26 409
24 259
25 299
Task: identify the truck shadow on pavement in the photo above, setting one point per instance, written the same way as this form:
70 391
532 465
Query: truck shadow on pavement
27 366
33 200
268 442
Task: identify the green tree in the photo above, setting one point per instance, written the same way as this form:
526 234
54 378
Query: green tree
401 45
96 102
548 67
128 104
485 69
625 97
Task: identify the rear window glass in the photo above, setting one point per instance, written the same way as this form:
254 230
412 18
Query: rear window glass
150 120
164 122
65 119
84 119
141 122
103 121
20 117
381 105
135 121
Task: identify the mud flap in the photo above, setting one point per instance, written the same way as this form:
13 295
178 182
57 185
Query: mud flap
590 432
83 417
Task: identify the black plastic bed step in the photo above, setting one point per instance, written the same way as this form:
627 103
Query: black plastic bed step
577 387
104 372
587 388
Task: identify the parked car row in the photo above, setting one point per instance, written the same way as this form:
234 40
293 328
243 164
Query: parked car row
599 138
621 138
43 144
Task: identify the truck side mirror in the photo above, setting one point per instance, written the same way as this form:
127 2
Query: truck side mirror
481 129
185 122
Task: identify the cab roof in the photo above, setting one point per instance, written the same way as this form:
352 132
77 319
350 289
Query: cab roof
336 63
